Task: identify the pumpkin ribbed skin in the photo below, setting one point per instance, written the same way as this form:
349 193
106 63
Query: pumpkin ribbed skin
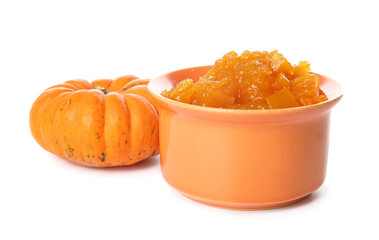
103 124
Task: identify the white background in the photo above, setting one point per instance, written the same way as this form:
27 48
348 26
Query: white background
45 42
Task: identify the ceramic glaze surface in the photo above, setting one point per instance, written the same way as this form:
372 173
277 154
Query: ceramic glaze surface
243 159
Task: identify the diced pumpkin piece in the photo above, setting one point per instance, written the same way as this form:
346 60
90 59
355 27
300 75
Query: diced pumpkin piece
301 69
282 99
219 96
281 82
182 92
280 63
305 89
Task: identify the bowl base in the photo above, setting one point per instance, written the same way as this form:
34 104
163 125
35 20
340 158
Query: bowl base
237 206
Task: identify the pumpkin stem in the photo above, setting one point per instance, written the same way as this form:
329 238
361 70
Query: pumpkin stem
102 89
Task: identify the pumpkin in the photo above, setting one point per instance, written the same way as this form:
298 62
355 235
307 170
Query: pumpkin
100 124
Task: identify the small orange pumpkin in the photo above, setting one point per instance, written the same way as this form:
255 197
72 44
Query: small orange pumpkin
103 124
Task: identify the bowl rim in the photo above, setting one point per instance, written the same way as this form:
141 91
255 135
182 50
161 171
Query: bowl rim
186 106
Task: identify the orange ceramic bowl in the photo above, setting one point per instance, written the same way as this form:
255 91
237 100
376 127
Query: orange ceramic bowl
242 159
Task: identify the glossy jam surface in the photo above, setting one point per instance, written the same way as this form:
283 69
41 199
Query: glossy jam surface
252 80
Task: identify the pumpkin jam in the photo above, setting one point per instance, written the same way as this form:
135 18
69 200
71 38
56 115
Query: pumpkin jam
253 80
